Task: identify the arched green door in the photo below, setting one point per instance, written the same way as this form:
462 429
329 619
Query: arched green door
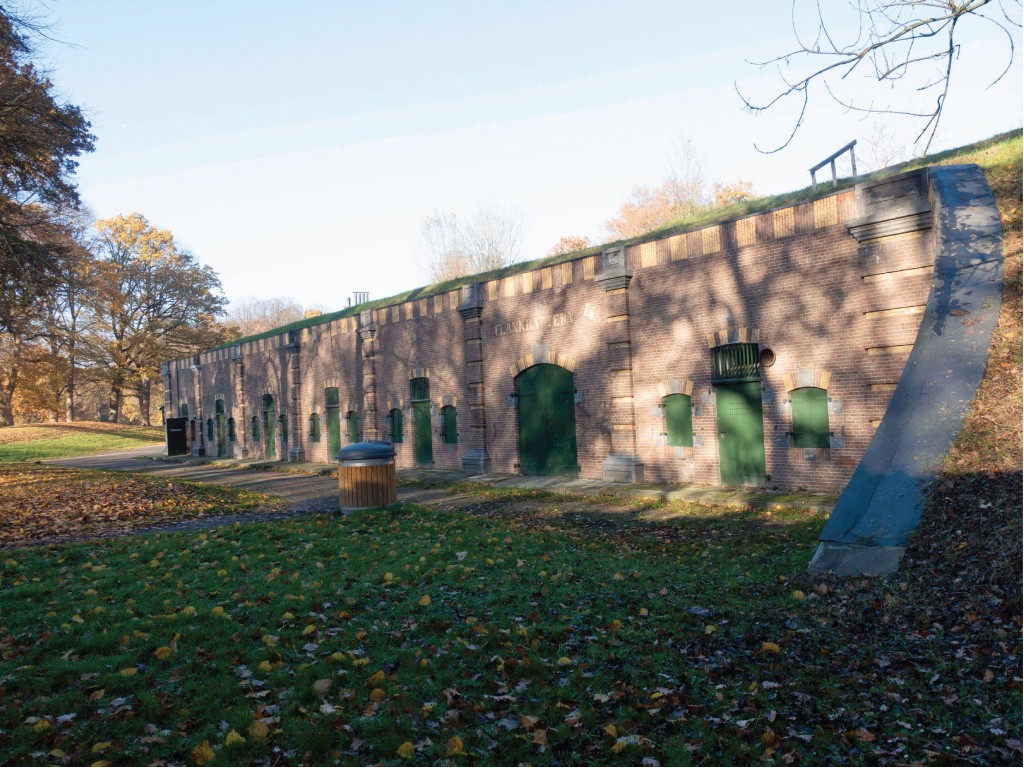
547 421
269 427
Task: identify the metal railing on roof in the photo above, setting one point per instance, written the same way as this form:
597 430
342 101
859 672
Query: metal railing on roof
831 160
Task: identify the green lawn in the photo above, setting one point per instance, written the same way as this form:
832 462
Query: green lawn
51 441
402 636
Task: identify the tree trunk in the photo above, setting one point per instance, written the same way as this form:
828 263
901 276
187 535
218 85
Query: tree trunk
116 399
145 392
69 398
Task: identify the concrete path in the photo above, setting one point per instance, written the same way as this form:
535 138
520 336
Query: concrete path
313 487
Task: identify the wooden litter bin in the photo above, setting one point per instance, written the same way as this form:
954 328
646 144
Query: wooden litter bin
366 476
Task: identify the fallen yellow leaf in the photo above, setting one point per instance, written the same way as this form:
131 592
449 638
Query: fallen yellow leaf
258 731
377 678
233 737
100 746
453 747
377 694
203 753
128 671
611 730
425 600
162 652
564 661
407 750
309 630
767 647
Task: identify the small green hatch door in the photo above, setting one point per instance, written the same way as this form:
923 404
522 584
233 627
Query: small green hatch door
547 421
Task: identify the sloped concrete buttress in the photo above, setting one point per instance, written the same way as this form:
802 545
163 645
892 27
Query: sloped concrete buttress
882 504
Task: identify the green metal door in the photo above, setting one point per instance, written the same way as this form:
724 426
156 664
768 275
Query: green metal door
422 434
740 433
333 408
269 427
423 439
547 421
222 441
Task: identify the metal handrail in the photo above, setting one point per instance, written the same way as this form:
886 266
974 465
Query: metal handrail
831 160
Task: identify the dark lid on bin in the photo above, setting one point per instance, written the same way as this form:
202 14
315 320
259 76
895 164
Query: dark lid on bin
373 449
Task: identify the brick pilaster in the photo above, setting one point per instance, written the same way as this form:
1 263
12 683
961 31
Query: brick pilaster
241 447
476 457
296 436
623 463
199 445
368 349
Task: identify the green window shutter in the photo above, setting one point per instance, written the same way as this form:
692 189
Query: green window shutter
184 410
231 429
209 429
218 406
331 396
255 429
284 428
679 420
810 417
395 416
449 433
268 402
352 418
314 427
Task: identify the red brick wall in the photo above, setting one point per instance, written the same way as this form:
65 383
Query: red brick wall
836 312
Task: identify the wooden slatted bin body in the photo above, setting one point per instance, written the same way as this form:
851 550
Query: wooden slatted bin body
366 476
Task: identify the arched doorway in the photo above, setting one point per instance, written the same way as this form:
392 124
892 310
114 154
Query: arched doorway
546 399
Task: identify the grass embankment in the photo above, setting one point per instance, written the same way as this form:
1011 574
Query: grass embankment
52 441
51 504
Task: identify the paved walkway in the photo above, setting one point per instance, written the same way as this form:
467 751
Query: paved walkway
310 487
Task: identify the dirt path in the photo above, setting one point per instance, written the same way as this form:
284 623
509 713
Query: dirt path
306 494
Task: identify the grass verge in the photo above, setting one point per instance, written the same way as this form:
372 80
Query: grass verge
52 441
421 636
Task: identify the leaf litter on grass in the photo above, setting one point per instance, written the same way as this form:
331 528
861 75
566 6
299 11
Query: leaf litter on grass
45 504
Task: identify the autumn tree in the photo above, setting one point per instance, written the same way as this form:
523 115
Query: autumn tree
153 302
685 191
489 238
569 244
910 46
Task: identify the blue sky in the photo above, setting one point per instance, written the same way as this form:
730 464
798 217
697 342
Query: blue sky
295 148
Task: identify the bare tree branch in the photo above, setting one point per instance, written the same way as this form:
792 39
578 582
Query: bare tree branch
898 40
